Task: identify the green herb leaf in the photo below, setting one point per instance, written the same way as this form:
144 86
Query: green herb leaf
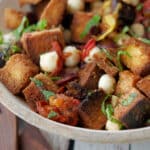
109 56
119 53
109 111
144 40
92 22
55 78
129 100
103 105
41 25
52 114
15 49
125 30
37 82
19 31
139 7
47 94
148 121
1 38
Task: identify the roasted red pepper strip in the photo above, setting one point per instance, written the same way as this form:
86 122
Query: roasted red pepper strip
87 48
56 46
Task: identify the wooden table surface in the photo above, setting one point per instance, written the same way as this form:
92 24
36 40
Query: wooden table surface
15 134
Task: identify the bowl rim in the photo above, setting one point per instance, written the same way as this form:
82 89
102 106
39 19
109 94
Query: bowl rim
20 109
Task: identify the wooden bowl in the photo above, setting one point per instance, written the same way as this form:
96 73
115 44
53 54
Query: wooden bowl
19 108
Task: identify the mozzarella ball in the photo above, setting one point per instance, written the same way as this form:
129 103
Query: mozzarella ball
90 57
112 125
75 5
138 29
107 83
72 56
48 61
9 38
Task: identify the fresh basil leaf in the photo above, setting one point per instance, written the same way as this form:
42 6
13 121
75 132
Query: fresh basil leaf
125 30
19 31
37 82
52 114
119 53
1 38
103 105
47 94
41 25
144 40
15 49
94 21
109 111
139 7
55 78
109 56
129 100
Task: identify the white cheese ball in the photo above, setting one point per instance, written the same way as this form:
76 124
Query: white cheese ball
112 126
107 83
138 29
90 57
72 56
9 38
75 5
49 61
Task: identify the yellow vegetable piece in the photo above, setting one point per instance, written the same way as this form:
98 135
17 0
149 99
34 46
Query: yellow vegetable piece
110 22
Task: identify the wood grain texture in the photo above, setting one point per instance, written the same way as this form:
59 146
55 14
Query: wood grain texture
31 139
8 130
56 142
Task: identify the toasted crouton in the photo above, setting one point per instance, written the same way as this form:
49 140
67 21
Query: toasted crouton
139 62
17 71
39 42
89 76
90 111
144 85
127 80
80 20
132 109
104 64
54 12
12 18
32 93
33 2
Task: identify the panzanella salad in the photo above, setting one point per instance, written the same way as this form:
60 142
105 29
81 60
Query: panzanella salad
84 63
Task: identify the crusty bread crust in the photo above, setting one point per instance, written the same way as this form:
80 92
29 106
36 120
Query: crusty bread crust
17 72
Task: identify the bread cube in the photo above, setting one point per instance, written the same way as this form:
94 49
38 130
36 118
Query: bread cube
90 111
80 20
54 12
144 85
127 80
39 42
13 18
89 76
133 109
17 72
139 62
33 94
